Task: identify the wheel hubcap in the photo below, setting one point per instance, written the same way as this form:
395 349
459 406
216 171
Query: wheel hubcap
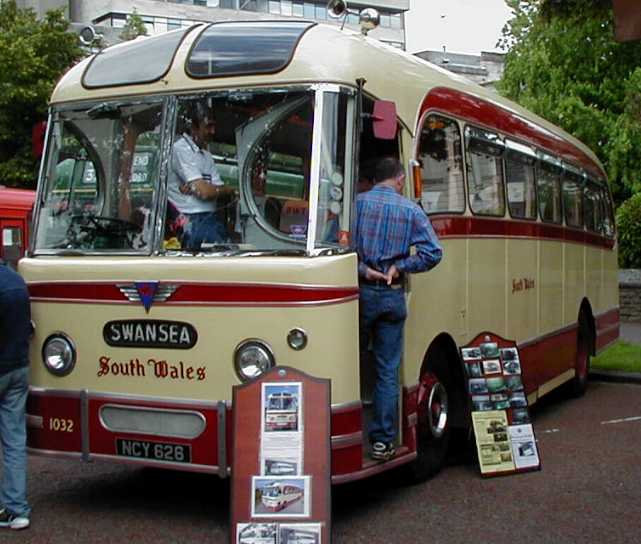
437 410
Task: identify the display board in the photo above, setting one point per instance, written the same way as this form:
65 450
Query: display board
504 436
281 481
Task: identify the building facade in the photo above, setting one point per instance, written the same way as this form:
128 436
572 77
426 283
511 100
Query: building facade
163 15
485 69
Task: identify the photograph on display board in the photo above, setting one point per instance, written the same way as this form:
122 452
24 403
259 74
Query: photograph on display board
518 400
280 496
477 386
489 350
492 441
256 533
524 446
473 369
511 367
495 385
299 533
502 405
471 353
287 466
509 354
481 403
282 407
520 416
514 383
491 366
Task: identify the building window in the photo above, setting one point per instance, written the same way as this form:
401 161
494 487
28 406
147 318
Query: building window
213 3
274 7
286 7
309 10
321 12
173 24
297 9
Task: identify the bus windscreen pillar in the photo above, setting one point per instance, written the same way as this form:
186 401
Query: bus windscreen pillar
281 487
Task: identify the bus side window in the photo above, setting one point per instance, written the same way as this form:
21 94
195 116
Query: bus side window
572 200
549 192
521 186
592 207
608 218
485 172
441 157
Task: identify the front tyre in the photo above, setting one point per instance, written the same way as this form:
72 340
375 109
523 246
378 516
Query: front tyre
433 429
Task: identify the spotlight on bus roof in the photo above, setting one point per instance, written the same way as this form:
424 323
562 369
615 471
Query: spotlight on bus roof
369 19
336 8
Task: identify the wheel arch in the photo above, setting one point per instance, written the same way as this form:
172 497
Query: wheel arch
442 358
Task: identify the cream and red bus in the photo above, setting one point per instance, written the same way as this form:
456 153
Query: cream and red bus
139 341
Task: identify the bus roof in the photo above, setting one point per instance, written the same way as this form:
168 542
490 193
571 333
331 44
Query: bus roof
327 54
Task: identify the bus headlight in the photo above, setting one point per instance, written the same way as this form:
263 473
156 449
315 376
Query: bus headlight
252 358
59 354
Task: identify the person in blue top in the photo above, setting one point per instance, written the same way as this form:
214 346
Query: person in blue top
15 332
386 226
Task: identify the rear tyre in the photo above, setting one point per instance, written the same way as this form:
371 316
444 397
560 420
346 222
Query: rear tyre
432 430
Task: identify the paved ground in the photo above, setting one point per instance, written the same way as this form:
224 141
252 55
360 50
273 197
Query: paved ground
588 491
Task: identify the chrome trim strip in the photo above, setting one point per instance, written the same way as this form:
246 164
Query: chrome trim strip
189 467
152 409
606 330
39 391
374 469
97 395
350 406
347 440
34 422
222 441
84 424
315 166
555 382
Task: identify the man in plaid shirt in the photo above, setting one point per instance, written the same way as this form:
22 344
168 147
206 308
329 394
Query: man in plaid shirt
386 226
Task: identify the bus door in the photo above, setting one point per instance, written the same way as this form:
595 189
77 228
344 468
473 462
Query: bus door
13 240
372 146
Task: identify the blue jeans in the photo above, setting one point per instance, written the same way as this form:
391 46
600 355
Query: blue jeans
14 387
202 227
382 314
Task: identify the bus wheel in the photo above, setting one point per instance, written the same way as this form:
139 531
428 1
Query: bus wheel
433 430
579 383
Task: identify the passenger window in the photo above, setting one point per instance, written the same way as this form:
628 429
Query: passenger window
572 200
485 172
521 187
592 207
549 192
441 156
608 217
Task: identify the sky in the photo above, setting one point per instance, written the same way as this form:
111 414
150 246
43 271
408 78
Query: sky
463 26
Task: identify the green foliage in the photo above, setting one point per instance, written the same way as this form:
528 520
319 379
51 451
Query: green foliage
33 56
134 27
564 65
629 232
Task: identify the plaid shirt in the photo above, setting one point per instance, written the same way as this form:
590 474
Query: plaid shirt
386 226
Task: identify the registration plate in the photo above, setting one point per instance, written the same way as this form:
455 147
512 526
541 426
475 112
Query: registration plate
156 451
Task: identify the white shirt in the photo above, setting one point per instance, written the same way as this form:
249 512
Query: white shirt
189 163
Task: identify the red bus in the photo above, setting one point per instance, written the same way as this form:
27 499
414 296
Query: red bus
16 206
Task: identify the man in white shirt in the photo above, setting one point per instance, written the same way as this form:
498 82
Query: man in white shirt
194 182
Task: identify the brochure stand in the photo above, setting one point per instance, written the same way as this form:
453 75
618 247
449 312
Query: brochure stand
504 436
281 481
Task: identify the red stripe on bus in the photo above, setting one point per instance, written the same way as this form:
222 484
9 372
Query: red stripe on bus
483 112
193 293
465 226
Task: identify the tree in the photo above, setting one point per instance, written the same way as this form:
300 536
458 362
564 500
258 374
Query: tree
564 64
33 55
134 27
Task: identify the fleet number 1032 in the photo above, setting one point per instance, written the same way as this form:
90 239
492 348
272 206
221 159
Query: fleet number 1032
61 425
